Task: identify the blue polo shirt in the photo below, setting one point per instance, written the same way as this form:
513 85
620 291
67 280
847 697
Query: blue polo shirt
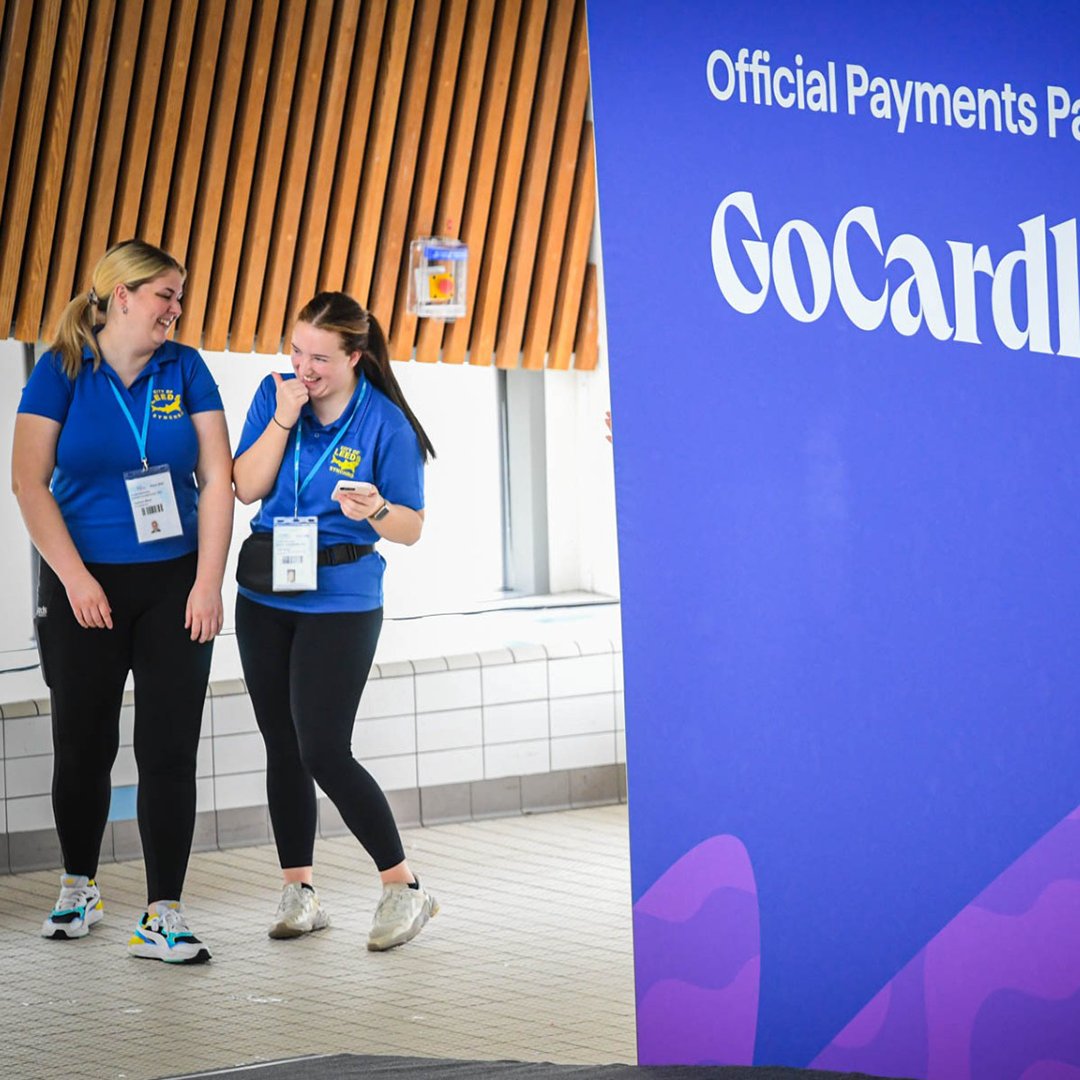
378 445
96 446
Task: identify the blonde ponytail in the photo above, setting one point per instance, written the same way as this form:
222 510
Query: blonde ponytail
75 331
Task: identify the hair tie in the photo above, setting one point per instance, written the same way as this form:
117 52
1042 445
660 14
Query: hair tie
92 296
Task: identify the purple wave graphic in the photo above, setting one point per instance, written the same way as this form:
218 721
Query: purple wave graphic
996 994
697 989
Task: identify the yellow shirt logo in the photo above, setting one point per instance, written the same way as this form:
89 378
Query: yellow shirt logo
344 461
166 405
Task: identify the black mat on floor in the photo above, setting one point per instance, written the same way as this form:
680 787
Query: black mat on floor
373 1067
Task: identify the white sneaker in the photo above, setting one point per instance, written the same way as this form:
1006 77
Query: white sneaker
77 909
400 916
164 935
299 912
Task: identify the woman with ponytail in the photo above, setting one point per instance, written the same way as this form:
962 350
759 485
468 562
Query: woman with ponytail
337 457
121 469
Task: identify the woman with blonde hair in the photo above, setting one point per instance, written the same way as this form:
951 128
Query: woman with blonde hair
121 467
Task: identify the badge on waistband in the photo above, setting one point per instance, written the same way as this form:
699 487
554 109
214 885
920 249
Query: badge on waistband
296 553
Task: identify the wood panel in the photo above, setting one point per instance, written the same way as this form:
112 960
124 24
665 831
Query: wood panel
49 180
285 223
109 146
428 335
559 189
507 183
24 157
328 143
191 142
379 147
241 172
343 202
522 255
575 255
285 146
142 120
61 282
482 176
214 168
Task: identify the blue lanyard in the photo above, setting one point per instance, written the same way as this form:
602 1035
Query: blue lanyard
299 487
140 437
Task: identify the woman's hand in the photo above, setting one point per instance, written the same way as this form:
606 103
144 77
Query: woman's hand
359 507
88 601
205 614
291 398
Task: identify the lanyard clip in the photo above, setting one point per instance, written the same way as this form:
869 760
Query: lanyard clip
145 465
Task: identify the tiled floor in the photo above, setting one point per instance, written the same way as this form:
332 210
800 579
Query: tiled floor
529 959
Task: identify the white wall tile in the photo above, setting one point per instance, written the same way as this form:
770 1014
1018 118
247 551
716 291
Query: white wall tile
582 715
26 736
617 661
582 751
393 773
233 715
204 764
387 697
245 789
384 737
450 766
451 730
515 682
124 770
3 813
620 712
517 759
29 776
515 722
238 754
127 725
620 747
204 794
581 675
448 690
23 815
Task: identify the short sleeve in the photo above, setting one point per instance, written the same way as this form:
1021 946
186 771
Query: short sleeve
261 409
48 391
399 467
200 391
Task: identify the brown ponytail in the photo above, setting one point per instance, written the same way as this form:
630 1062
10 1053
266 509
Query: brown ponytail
360 332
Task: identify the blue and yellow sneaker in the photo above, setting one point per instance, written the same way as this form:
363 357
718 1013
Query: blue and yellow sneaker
77 909
163 934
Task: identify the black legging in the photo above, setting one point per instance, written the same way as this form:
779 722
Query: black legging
86 671
305 674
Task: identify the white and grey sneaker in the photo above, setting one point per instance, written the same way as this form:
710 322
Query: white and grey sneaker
77 909
401 915
164 934
299 912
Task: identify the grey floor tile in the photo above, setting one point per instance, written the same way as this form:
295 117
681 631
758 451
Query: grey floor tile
535 991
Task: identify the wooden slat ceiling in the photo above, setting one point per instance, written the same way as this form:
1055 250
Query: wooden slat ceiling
279 147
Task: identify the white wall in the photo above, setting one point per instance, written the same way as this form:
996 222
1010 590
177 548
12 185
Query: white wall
16 610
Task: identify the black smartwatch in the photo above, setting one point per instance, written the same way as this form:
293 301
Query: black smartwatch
381 512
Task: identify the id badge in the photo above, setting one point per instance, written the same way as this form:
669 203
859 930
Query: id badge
296 553
153 504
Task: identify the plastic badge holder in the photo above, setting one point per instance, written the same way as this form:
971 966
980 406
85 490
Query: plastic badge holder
437 269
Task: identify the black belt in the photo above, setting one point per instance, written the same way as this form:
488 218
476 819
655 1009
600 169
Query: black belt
338 554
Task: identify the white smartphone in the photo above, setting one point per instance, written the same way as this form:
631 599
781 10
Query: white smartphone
352 487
